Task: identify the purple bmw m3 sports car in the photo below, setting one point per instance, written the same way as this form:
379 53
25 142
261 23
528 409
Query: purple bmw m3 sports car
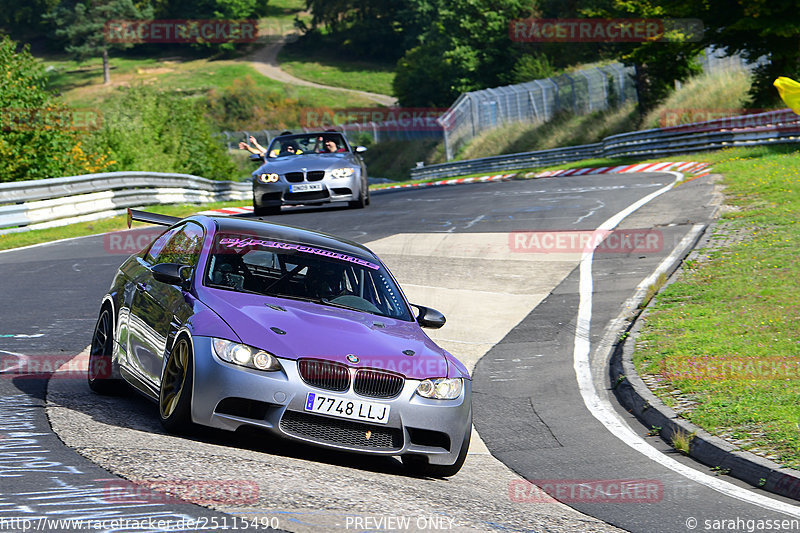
235 322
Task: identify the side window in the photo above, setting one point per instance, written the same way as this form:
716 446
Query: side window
158 245
182 245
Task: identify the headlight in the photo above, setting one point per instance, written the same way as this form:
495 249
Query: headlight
342 172
240 354
440 388
268 178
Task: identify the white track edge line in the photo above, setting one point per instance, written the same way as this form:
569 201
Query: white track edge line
602 409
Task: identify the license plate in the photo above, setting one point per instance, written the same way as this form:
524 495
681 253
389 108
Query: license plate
306 187
346 408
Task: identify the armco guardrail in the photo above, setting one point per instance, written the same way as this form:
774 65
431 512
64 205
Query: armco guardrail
773 127
51 202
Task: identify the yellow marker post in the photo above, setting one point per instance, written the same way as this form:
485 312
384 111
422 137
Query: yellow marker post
790 92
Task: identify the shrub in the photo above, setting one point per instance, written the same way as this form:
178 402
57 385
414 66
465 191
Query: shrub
37 136
151 130
248 106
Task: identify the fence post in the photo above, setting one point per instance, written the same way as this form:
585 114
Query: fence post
588 89
374 131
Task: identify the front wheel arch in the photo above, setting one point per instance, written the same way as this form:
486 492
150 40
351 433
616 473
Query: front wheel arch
101 370
176 387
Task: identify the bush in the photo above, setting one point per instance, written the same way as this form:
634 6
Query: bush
150 130
38 135
247 106
395 159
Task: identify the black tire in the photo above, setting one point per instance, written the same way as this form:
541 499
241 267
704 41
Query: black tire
419 465
175 394
363 198
100 373
266 210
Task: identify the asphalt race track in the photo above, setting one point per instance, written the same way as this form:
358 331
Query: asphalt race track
489 257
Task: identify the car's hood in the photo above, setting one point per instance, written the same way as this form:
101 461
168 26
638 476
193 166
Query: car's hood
293 329
281 165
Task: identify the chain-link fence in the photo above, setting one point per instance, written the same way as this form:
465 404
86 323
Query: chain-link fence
718 60
582 91
534 102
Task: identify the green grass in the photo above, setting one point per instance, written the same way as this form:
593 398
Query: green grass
322 66
563 130
280 14
704 97
727 334
81 83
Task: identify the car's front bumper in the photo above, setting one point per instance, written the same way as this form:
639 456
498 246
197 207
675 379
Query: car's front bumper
279 193
227 396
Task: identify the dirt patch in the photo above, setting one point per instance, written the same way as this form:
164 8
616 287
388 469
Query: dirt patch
154 70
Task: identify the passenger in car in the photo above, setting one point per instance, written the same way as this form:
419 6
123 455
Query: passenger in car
290 148
328 145
255 149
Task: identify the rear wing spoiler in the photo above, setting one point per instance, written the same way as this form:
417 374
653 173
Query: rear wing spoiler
151 218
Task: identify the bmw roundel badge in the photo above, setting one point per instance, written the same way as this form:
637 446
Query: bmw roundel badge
352 358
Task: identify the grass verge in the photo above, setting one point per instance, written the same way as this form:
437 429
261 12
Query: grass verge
321 64
81 84
705 97
563 130
726 335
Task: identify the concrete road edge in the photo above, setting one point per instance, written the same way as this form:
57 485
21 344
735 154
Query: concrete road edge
637 398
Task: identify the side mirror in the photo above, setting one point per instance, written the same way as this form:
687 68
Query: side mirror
361 149
429 318
173 274
255 158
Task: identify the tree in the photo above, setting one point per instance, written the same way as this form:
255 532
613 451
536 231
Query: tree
38 136
83 25
24 17
359 28
211 10
465 48
658 64
756 30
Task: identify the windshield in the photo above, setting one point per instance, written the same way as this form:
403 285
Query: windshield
260 265
306 144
